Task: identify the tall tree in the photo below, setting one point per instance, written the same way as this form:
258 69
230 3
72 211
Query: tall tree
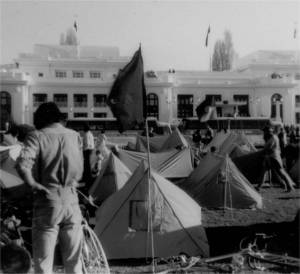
70 38
224 53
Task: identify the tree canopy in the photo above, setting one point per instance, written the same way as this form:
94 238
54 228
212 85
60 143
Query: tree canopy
224 53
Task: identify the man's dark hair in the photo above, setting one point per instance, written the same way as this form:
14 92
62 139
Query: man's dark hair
46 114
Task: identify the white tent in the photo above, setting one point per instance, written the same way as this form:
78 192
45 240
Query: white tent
217 183
162 143
170 164
9 177
113 176
122 220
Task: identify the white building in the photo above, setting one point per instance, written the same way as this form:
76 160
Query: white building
79 78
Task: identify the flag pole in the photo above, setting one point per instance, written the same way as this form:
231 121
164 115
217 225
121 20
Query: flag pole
150 224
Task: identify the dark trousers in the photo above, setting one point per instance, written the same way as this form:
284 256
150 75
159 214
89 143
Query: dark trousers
87 177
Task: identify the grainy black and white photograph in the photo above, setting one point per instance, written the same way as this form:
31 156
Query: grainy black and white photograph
150 136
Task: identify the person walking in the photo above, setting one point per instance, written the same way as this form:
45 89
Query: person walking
88 147
273 161
51 164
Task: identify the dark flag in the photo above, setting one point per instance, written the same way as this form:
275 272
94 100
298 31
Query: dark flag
206 110
127 98
75 26
206 40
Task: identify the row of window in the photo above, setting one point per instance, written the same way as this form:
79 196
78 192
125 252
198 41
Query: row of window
80 100
85 115
185 103
75 74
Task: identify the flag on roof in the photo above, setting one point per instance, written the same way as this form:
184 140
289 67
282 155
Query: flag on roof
127 98
206 40
75 26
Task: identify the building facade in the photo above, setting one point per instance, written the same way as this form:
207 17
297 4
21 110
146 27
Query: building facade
264 84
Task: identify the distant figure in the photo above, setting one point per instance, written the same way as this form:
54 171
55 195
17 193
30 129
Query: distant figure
197 137
292 136
282 140
88 147
208 135
273 161
101 144
98 164
150 132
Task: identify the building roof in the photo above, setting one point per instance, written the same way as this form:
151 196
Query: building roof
41 51
278 57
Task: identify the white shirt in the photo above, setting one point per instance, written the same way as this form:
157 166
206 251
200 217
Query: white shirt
88 141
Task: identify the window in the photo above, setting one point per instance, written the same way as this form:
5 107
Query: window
297 76
138 215
100 100
243 110
100 114
60 74
77 74
80 100
80 115
185 106
61 100
39 98
297 116
297 101
5 109
95 74
41 74
152 105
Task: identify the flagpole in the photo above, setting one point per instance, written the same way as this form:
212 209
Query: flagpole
150 224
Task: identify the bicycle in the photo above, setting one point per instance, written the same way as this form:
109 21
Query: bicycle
15 257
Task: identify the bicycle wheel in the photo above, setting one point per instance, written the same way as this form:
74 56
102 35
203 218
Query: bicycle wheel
93 256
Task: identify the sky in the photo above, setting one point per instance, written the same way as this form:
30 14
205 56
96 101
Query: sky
172 33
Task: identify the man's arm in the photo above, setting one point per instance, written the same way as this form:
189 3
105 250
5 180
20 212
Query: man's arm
26 175
26 161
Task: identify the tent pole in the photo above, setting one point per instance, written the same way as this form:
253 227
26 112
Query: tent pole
150 225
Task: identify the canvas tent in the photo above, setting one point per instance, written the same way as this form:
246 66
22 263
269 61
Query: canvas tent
162 143
232 143
234 140
170 164
217 183
9 176
122 220
155 143
113 176
250 165
11 184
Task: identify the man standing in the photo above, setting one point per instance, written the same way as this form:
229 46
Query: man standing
273 159
51 164
88 147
